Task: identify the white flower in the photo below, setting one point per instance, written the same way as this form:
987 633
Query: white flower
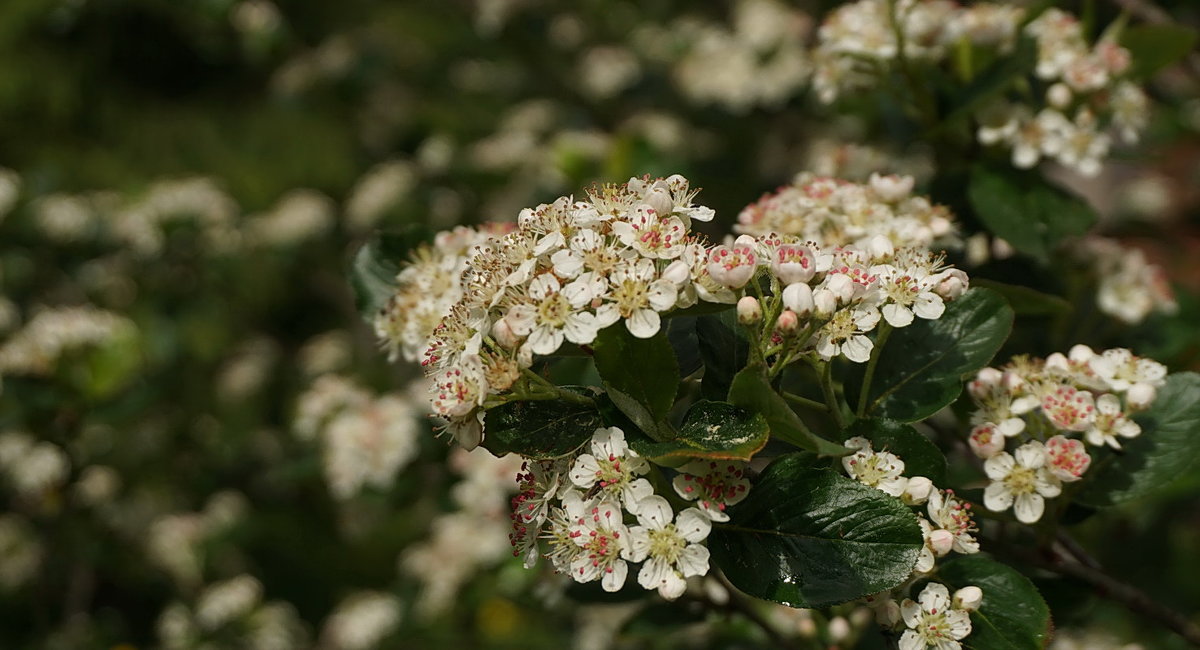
1109 423
556 312
636 294
614 467
672 551
1020 480
933 622
713 485
878 469
793 263
953 515
652 234
603 541
843 334
1069 408
733 266
985 441
909 291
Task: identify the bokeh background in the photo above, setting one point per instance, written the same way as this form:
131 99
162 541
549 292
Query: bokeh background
201 444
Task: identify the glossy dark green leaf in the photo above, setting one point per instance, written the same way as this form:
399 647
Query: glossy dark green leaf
1025 301
751 391
1013 615
808 537
712 430
1025 211
641 376
921 457
540 429
681 332
724 351
921 368
1167 449
374 267
1154 47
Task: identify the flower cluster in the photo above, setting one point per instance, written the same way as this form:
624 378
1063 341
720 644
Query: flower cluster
833 212
1049 404
946 522
828 299
1130 288
1082 89
597 513
1085 94
35 349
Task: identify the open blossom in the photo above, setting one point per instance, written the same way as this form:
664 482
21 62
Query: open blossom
879 469
910 291
553 313
637 294
845 334
733 266
953 515
713 485
1066 458
539 485
1069 408
1021 481
603 541
650 235
1110 423
614 468
933 621
671 550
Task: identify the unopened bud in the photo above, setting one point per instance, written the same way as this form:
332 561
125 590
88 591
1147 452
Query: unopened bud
798 297
887 614
1012 382
917 491
677 273
659 199
1140 396
787 322
824 302
954 284
503 334
1080 353
986 441
841 286
941 541
1059 95
839 629
968 598
748 310
880 247
891 188
1057 363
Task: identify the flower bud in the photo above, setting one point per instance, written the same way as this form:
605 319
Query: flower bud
1057 363
917 491
880 247
1059 95
839 629
677 273
787 323
798 297
1012 382
1080 353
842 286
953 284
732 266
824 303
891 188
941 541
659 199
986 441
1140 396
503 333
793 263
887 614
748 310
968 598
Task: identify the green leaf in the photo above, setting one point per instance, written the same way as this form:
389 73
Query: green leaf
540 429
921 457
724 350
994 79
1026 301
681 332
1013 615
1028 213
640 375
1154 47
807 537
1167 449
375 265
712 431
751 390
920 370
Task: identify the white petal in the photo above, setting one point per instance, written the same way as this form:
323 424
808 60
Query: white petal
545 339
615 579
654 512
999 466
643 324
1029 508
693 560
929 306
997 497
858 348
583 472
693 525
897 315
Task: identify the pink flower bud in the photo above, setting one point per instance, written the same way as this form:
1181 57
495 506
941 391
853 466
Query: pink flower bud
798 297
793 263
787 323
1059 95
941 541
887 613
839 629
732 266
986 441
748 310
953 284
968 598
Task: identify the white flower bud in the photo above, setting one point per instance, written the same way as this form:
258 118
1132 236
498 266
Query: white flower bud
887 614
968 598
1001 249
941 541
1057 363
824 303
842 286
748 310
880 247
953 284
1140 396
1012 382
986 441
732 266
839 629
917 491
1059 95
677 273
891 188
798 297
1080 353
787 322
659 199
793 263
503 333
